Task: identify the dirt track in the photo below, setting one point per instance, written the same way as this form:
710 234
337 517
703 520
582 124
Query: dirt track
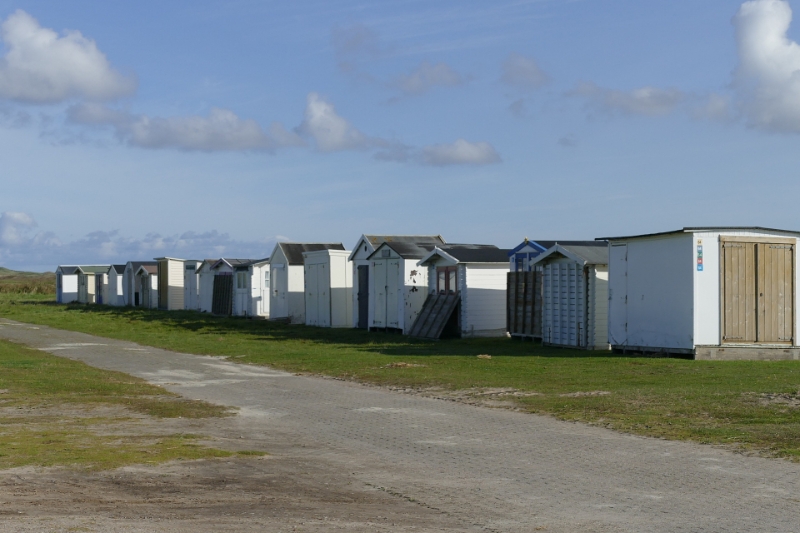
371 459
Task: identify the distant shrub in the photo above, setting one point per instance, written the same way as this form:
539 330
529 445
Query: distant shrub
29 287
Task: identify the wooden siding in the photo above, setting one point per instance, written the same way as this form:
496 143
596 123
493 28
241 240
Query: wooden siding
757 291
524 304
564 301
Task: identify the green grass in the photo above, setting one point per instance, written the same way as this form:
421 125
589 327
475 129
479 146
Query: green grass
709 402
51 414
16 282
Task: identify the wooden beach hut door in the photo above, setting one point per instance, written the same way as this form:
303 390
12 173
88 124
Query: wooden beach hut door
757 291
146 292
386 284
363 296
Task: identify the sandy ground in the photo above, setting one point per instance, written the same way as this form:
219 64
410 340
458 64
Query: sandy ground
278 492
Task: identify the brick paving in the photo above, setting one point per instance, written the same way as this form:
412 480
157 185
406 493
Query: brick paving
489 469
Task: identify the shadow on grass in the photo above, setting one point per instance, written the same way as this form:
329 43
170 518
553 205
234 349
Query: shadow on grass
376 342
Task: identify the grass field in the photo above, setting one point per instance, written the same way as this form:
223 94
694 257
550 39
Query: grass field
752 406
12 281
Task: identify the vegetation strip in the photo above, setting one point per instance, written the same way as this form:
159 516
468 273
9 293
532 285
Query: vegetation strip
749 405
55 411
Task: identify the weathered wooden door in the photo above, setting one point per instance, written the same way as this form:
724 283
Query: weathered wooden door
379 290
146 292
312 295
393 286
363 296
757 291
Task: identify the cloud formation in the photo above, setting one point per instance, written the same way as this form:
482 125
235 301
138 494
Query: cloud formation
426 77
649 101
42 67
331 132
221 130
14 228
767 78
460 152
523 73
21 248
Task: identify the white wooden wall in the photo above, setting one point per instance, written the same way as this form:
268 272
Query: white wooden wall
483 299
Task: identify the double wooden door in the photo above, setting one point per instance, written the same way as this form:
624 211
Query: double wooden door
757 290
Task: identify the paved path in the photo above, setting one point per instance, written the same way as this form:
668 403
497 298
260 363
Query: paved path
490 469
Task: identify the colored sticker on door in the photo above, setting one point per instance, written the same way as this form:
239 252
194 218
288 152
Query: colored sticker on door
699 257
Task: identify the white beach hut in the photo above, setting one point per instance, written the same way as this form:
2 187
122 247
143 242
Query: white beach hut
191 285
329 289
575 295
398 286
131 283
171 282
362 312
205 285
87 284
241 287
287 279
711 292
115 285
466 292
66 284
101 287
147 276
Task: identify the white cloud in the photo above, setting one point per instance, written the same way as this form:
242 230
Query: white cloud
14 228
426 77
523 72
331 132
41 67
767 78
460 152
221 130
650 101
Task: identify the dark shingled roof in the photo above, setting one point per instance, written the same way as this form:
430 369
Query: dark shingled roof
136 264
476 253
294 250
407 250
119 269
590 255
150 269
692 229
68 270
377 240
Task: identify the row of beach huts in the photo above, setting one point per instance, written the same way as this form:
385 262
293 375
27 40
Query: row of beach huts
706 292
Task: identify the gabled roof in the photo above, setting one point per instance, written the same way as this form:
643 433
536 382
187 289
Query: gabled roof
406 250
294 250
585 255
469 253
93 269
377 240
238 264
67 270
543 245
119 269
697 229
136 264
149 269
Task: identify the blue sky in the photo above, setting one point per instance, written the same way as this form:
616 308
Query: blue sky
133 130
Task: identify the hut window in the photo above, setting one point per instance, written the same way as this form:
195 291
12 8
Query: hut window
241 280
266 278
446 280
